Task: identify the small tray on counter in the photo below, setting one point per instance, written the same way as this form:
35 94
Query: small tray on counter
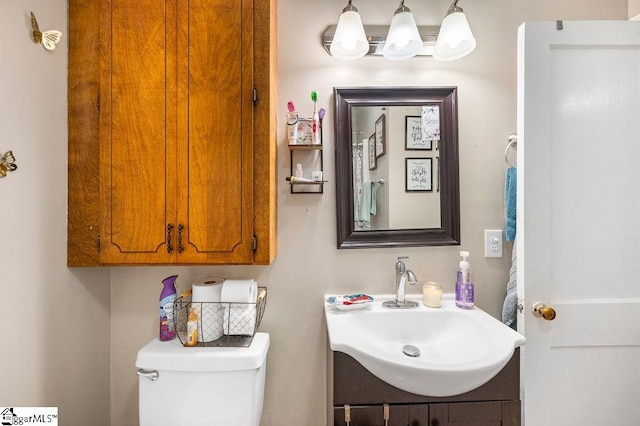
350 302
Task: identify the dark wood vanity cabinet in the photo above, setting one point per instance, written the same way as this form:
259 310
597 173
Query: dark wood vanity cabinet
496 403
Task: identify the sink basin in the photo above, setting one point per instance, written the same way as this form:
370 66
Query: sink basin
459 350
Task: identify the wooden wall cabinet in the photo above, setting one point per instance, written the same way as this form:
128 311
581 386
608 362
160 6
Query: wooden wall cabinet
496 403
172 114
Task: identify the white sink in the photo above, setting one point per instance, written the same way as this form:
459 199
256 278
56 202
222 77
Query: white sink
460 350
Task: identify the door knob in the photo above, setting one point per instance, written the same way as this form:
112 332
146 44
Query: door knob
541 310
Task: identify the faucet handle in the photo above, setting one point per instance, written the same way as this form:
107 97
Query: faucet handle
400 266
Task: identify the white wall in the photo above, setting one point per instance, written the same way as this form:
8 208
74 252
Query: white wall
308 264
55 338
634 9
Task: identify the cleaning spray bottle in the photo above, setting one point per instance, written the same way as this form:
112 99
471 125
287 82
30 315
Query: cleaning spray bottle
167 297
464 284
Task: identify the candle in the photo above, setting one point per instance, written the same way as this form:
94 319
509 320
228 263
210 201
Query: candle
432 294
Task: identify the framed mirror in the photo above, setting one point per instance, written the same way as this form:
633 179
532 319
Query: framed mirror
397 180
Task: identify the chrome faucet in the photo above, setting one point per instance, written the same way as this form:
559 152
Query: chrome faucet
403 275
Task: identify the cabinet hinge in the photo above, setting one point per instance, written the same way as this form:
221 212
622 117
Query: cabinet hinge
98 243
255 243
255 95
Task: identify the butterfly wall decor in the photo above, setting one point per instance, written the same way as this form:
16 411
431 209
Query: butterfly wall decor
48 38
7 164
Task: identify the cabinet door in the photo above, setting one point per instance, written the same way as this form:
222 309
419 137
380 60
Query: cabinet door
215 130
161 132
490 413
137 131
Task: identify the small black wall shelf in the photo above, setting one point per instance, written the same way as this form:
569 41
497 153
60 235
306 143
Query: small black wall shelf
311 156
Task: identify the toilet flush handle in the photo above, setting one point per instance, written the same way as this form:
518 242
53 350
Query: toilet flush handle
149 374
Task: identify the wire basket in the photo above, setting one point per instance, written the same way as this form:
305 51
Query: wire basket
218 323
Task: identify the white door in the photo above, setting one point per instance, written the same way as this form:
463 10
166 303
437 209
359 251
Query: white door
579 221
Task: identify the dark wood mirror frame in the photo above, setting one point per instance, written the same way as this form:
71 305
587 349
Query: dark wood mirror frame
449 233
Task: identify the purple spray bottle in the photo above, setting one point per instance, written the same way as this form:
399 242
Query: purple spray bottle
167 297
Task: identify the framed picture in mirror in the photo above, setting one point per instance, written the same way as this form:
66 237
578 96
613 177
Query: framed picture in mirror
415 135
419 174
381 144
373 158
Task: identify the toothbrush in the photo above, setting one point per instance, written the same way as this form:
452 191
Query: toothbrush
321 114
292 116
292 124
315 118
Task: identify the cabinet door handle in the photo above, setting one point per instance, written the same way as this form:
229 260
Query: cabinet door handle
385 414
180 247
169 243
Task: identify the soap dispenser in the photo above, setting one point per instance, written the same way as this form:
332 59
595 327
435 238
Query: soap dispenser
464 284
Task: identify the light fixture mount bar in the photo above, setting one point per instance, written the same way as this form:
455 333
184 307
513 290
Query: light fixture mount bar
377 34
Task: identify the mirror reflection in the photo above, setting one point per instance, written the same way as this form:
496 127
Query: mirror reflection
397 167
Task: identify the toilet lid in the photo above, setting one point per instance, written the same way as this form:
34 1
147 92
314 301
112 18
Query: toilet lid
173 356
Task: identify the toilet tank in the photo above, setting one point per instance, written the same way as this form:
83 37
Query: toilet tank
197 386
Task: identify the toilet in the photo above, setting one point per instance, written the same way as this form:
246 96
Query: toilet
198 386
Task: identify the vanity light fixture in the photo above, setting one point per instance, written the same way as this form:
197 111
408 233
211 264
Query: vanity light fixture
349 40
455 39
403 39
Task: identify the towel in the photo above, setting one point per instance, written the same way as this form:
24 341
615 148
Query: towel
510 193
374 202
509 307
368 202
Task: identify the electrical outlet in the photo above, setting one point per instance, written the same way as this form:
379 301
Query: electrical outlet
493 243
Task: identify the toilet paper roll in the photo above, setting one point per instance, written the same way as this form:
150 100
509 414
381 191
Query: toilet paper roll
205 297
239 300
207 290
239 319
239 291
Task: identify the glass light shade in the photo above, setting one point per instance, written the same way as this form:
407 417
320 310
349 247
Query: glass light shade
349 41
455 39
403 40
